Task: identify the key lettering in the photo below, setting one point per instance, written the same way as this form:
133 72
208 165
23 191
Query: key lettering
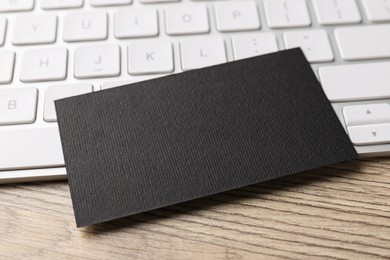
236 14
35 27
285 5
86 24
187 18
99 60
287 18
255 45
201 53
149 56
254 41
339 14
44 63
12 104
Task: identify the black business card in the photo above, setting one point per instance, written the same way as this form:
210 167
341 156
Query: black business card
181 137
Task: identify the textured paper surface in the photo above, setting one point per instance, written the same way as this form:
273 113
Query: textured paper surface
181 137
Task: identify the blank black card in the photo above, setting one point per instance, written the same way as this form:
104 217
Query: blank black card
181 137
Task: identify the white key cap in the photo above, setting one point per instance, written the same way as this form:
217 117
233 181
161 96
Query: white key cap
109 2
187 19
365 42
367 114
254 44
337 11
37 29
85 26
7 61
136 22
16 5
369 134
18 105
287 13
236 16
60 4
314 43
356 82
30 148
377 10
44 65
149 57
58 92
3 30
97 61
202 52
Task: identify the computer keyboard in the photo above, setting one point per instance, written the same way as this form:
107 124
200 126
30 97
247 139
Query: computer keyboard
50 49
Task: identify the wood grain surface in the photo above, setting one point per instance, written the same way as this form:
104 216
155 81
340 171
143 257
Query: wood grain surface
339 212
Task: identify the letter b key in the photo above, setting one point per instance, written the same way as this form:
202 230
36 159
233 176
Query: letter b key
18 105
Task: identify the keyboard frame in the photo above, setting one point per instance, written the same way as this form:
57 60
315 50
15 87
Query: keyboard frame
60 172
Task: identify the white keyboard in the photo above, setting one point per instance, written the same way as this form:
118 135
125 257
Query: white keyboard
50 49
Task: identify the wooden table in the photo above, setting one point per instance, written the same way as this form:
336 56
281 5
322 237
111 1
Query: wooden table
340 211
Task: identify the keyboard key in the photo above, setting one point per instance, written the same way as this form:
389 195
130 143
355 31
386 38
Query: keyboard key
369 134
286 13
30 148
44 65
202 52
236 16
85 26
7 61
337 11
367 114
3 30
187 19
314 43
150 57
254 44
109 2
377 10
16 5
97 61
60 4
364 42
136 22
18 105
356 82
58 92
37 29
